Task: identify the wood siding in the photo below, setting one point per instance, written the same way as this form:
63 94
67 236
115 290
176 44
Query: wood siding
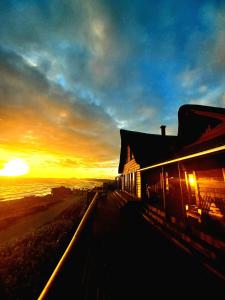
132 178
138 184
131 166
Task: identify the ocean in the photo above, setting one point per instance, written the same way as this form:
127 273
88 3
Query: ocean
11 188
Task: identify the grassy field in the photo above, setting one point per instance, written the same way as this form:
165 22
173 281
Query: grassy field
26 261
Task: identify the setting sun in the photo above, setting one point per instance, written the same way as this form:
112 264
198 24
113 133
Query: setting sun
14 167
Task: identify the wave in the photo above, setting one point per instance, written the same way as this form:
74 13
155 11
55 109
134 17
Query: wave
11 189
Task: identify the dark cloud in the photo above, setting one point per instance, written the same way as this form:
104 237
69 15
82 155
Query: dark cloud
38 113
84 69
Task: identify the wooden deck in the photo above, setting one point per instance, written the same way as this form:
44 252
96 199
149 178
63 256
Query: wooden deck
125 257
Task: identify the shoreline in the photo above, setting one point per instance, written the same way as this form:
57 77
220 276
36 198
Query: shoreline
15 189
26 214
33 245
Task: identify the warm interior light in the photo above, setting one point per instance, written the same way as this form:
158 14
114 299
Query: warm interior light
199 211
191 179
14 167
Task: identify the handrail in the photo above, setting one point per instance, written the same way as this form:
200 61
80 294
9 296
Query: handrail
201 153
69 248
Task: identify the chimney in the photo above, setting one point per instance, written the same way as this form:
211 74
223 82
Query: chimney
163 130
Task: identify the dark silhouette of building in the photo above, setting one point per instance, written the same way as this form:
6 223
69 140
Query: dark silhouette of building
200 128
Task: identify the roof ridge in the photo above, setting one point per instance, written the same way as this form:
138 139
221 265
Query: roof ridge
144 133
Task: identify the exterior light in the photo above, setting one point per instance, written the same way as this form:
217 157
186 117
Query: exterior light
191 179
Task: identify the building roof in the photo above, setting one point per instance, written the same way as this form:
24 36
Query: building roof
196 120
199 128
147 148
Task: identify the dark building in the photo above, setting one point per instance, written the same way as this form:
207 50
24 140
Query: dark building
139 150
181 178
200 128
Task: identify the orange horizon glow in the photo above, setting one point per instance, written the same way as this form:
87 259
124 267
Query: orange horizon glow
44 164
58 144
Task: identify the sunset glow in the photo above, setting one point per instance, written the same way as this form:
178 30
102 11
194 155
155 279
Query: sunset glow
68 86
14 167
53 163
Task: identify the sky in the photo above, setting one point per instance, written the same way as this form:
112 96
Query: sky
73 72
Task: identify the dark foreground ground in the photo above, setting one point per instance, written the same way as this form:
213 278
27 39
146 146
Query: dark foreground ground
126 258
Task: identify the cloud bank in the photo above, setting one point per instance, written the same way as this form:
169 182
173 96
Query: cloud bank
74 72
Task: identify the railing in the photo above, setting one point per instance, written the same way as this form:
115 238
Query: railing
70 248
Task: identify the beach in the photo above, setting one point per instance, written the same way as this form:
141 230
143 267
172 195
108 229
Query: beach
34 233
22 216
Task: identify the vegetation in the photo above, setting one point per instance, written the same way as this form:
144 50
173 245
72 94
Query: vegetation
12 211
26 263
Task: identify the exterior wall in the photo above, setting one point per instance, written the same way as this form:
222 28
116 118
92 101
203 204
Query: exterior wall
132 178
131 166
153 189
189 191
138 184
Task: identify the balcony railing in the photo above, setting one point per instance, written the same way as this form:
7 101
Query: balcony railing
50 287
